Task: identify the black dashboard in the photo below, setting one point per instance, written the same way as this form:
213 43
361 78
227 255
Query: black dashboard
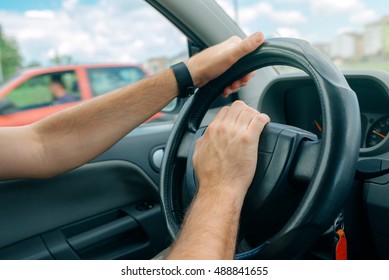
293 99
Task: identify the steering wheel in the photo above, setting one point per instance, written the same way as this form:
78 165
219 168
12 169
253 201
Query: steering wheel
301 182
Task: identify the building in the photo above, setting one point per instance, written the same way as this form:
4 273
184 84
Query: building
347 45
157 64
376 41
323 47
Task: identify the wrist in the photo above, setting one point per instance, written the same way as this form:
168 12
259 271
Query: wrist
185 84
194 72
226 194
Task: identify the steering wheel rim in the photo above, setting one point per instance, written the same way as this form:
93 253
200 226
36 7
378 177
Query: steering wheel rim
338 153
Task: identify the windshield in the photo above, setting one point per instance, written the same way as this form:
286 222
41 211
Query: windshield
353 33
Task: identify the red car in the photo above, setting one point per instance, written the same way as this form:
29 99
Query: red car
29 97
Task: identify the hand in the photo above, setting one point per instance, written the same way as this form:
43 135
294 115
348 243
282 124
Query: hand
214 61
225 157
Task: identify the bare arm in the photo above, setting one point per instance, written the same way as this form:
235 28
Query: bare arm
224 161
74 136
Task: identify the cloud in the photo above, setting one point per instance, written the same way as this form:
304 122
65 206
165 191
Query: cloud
287 32
291 1
355 11
69 4
264 9
109 31
42 14
364 16
331 7
344 30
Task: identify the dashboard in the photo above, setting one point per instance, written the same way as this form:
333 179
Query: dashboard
293 99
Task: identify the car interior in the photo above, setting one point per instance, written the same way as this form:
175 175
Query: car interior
323 165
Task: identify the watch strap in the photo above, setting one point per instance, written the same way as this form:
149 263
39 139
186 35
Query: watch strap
184 80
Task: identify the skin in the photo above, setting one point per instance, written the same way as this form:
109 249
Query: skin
57 90
72 137
89 129
225 175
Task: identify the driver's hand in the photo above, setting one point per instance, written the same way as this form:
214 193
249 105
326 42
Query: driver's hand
214 61
225 157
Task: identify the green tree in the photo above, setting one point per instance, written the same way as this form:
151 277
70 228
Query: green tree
33 63
10 58
60 59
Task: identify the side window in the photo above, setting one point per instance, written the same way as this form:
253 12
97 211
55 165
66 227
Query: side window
44 90
104 80
32 93
119 42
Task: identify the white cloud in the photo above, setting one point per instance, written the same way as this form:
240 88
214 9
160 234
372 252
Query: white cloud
110 31
42 14
364 16
287 32
291 1
344 30
330 7
355 11
69 4
264 9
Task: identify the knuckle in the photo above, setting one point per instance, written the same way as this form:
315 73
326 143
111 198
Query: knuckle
223 128
245 47
230 60
251 110
235 39
264 118
212 127
238 104
224 109
245 138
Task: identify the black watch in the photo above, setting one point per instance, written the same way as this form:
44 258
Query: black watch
184 80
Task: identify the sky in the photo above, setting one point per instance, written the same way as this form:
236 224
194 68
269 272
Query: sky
131 31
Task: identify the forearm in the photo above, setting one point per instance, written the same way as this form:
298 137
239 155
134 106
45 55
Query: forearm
210 228
79 134
74 136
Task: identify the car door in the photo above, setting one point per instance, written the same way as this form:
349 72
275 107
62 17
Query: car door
108 208
31 100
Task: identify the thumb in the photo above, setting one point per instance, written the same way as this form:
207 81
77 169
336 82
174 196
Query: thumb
248 45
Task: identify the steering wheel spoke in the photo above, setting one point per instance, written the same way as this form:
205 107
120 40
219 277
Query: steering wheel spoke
185 145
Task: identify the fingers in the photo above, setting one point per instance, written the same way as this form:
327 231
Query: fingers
247 78
221 115
242 116
233 113
227 91
230 115
246 118
248 45
237 85
257 124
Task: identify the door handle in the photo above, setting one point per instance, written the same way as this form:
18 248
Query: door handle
101 233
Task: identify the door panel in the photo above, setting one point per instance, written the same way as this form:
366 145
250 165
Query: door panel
106 209
39 208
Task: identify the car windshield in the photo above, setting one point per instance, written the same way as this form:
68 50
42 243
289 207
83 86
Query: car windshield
353 33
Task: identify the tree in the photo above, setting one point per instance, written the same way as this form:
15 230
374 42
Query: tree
10 58
33 63
61 59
